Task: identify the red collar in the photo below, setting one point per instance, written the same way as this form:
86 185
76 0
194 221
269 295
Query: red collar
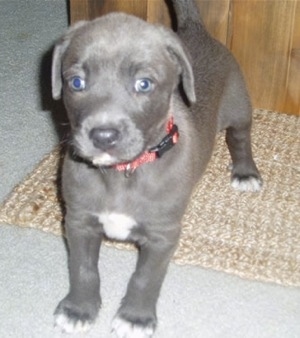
156 152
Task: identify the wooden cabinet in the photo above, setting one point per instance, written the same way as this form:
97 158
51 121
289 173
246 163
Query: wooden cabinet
264 36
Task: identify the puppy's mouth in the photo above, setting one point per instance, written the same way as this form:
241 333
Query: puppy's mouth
104 147
109 158
124 152
104 160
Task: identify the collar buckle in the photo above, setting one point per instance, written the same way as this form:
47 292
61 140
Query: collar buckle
167 142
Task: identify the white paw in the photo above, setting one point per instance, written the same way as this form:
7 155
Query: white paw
67 325
124 329
251 184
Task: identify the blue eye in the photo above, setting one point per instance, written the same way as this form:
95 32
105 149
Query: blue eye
143 85
77 83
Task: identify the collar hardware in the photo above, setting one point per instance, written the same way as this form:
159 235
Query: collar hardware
167 142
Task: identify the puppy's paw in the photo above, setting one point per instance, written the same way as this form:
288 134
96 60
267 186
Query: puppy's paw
67 324
249 183
132 329
69 318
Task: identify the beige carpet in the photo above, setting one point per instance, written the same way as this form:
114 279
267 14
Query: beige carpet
252 235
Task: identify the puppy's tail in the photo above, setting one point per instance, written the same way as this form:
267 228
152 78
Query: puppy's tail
186 12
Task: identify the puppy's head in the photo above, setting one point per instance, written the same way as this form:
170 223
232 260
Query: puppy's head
118 74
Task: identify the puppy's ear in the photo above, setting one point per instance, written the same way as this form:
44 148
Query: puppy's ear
59 50
181 56
56 76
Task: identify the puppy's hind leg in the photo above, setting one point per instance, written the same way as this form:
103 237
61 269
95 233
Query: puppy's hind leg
236 118
245 175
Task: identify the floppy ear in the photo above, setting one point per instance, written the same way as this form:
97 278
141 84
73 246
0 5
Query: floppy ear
59 50
56 76
181 56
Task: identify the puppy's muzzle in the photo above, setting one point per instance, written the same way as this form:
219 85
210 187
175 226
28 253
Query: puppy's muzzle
104 138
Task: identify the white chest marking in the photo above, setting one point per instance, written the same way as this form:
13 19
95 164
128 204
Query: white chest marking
117 226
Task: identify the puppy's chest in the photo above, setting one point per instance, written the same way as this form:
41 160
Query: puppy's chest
117 225
120 210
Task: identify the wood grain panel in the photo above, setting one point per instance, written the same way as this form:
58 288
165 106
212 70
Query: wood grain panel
292 102
262 32
215 15
158 12
79 10
135 7
90 9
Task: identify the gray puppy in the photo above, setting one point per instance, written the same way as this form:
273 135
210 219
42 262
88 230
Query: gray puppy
144 110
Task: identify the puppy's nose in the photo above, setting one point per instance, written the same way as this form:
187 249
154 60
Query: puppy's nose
104 138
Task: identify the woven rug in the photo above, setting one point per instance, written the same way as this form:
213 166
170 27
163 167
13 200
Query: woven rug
252 235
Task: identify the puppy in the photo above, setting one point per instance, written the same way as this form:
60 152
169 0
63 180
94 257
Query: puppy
144 109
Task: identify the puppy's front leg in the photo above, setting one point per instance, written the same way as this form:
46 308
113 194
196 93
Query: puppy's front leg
136 317
79 309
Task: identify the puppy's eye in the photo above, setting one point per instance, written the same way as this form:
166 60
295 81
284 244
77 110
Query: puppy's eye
143 85
77 84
